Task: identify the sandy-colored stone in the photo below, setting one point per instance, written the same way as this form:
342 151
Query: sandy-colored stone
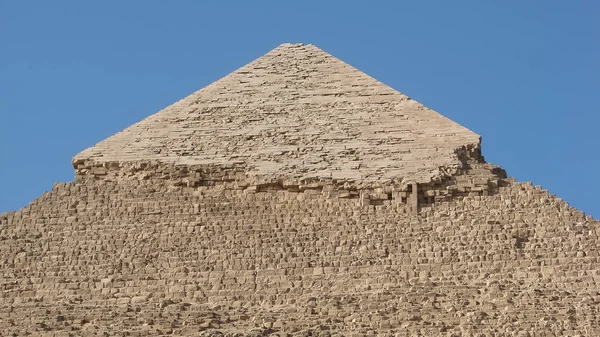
295 113
195 222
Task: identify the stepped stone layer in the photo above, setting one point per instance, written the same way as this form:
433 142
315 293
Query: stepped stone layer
147 258
205 220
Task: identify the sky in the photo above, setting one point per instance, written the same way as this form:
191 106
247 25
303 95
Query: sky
522 74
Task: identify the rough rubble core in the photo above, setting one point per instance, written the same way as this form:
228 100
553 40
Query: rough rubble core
149 242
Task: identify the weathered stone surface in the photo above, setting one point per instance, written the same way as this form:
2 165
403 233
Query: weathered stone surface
296 113
210 247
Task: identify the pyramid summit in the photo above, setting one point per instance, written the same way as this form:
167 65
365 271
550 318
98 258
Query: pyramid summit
297 196
295 113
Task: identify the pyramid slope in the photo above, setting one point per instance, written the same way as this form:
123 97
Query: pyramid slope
295 112
96 257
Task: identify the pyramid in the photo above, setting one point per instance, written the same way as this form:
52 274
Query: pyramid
296 196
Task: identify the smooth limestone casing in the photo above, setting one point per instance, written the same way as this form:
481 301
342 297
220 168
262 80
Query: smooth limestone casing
296 113
296 196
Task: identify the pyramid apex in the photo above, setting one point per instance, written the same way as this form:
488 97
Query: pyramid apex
295 113
297 46
292 45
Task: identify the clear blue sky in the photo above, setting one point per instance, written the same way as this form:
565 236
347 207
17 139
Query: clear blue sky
524 75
